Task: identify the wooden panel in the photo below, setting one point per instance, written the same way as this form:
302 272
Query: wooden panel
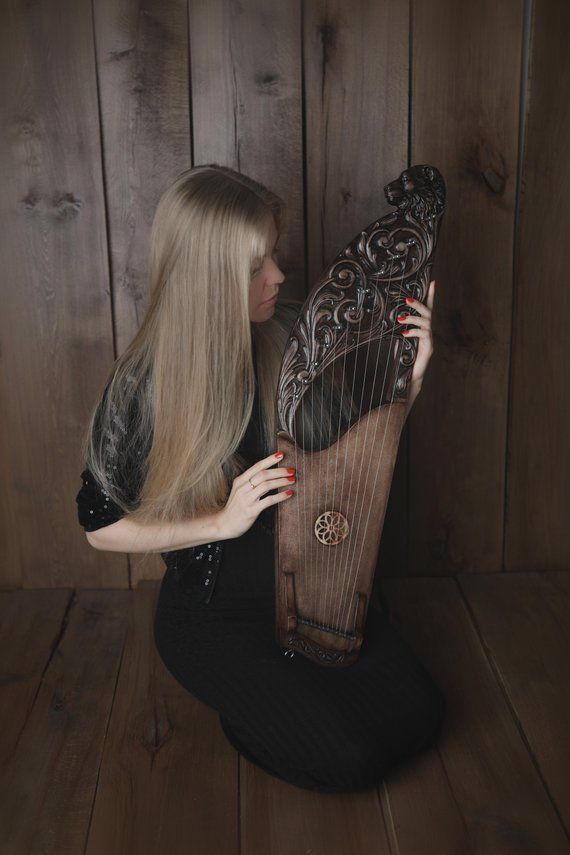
30 623
142 63
281 819
465 119
356 116
246 105
47 788
168 780
523 621
421 814
55 324
537 530
504 804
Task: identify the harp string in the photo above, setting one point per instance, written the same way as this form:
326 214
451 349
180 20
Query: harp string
311 481
347 567
304 496
329 583
324 552
349 601
313 539
339 570
298 503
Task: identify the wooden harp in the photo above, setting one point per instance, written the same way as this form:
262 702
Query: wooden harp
340 404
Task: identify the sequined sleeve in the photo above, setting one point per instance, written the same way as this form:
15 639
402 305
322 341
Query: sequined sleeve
95 509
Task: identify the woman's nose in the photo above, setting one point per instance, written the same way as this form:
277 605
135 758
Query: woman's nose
280 275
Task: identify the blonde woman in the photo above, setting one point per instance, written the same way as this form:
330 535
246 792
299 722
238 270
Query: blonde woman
179 459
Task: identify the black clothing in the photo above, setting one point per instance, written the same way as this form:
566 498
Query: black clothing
320 728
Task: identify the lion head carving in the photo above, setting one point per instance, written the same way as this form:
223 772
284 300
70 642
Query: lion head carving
419 191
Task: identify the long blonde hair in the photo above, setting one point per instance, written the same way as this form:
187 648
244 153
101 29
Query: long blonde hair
163 438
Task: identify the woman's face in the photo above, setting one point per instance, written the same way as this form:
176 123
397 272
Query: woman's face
265 282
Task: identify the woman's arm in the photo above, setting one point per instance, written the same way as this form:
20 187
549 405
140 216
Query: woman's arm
246 501
125 535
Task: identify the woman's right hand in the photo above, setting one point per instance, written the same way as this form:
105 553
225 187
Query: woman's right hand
244 503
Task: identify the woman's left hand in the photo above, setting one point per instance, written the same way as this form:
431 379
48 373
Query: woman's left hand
421 331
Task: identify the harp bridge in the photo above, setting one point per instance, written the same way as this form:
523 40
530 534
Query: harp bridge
329 644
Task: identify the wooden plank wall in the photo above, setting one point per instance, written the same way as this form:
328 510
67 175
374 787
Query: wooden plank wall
465 119
324 102
537 531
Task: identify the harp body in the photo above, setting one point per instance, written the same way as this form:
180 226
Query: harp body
327 537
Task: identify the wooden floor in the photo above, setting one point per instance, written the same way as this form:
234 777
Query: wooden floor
104 753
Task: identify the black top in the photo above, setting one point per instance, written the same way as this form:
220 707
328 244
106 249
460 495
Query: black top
95 509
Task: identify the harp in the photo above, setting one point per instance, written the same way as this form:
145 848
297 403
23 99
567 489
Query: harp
341 403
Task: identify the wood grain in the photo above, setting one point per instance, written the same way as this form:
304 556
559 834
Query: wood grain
247 106
168 778
465 120
30 624
48 785
55 323
281 819
502 798
143 72
523 621
537 531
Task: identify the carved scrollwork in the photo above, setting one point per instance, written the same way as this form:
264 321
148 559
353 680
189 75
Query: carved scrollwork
359 295
327 657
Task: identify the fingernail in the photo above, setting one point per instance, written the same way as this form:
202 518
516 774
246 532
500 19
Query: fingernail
279 455
402 317
404 332
292 478
288 492
291 471
409 299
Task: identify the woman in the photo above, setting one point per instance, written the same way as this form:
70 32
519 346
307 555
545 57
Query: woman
188 412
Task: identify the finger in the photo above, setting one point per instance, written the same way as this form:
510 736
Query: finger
415 333
268 479
414 319
277 497
418 306
261 465
261 489
265 474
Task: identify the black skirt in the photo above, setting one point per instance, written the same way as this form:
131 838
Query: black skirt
320 728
